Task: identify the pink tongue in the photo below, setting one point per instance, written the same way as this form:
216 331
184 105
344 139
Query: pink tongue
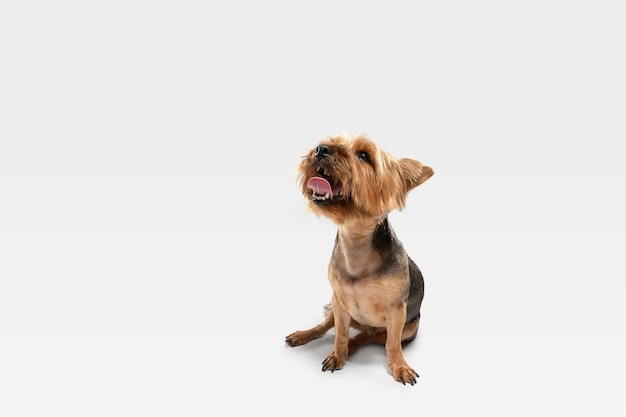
320 186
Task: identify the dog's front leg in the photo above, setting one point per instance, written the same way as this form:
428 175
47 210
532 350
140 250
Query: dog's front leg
400 370
337 357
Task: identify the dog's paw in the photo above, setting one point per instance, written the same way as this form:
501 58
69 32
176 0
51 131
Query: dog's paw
297 339
404 374
333 363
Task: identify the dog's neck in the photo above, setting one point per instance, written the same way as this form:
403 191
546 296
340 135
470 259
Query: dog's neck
354 248
358 232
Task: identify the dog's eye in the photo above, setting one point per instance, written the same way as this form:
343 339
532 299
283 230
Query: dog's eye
363 156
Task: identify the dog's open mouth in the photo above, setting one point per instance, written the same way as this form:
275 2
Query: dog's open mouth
325 188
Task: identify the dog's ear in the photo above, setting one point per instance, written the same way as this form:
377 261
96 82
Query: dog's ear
414 173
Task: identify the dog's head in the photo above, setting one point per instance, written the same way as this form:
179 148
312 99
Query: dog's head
347 178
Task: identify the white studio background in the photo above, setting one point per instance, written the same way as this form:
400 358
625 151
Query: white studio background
155 250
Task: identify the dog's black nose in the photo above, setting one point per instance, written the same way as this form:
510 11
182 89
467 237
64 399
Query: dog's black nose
322 151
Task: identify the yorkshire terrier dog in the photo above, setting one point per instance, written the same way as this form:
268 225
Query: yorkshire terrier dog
377 288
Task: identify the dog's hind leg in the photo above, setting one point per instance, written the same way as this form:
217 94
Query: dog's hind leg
302 337
409 332
378 336
367 336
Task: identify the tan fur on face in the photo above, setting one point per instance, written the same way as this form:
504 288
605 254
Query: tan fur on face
371 190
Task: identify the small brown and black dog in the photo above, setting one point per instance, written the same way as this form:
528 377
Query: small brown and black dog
377 288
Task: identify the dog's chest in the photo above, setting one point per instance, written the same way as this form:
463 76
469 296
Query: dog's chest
367 300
